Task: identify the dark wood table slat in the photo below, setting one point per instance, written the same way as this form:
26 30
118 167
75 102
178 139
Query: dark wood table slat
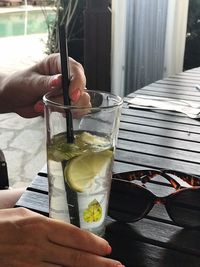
171 94
157 140
160 115
159 151
178 81
161 124
155 131
153 161
171 88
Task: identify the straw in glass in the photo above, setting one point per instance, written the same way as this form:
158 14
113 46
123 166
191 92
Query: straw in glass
65 80
72 198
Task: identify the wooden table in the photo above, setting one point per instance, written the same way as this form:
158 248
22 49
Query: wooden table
149 139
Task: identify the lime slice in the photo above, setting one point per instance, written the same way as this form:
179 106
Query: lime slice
91 139
62 151
81 171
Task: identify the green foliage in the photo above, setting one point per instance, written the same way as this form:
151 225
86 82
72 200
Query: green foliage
73 19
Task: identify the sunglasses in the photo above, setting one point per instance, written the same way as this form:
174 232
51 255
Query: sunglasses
130 201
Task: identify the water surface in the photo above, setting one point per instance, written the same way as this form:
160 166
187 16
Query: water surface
25 22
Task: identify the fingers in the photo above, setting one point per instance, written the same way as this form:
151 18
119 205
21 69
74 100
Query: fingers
77 99
50 65
83 101
50 68
30 239
65 244
77 238
45 83
77 80
31 111
18 214
55 81
46 264
39 107
84 249
48 75
76 258
75 95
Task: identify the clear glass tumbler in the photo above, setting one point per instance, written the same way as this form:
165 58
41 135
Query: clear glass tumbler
80 151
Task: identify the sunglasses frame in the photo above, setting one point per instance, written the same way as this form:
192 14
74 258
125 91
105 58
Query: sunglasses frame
147 175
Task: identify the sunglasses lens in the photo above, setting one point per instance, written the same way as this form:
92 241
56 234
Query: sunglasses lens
184 207
128 202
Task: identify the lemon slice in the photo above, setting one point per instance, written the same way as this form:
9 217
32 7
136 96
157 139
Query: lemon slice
81 171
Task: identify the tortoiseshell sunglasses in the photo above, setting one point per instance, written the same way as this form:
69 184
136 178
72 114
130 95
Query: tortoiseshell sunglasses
130 202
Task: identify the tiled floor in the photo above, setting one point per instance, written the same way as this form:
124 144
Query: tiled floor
22 140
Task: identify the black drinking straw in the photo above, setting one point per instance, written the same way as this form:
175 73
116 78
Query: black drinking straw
71 195
65 75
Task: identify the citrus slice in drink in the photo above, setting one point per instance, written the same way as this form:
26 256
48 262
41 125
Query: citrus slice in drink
81 170
86 138
62 151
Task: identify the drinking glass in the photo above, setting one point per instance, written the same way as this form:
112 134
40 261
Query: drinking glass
81 143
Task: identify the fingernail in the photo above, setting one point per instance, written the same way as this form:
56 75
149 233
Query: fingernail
39 107
54 81
75 95
120 265
109 249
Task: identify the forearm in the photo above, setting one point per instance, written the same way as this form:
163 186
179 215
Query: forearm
14 89
9 91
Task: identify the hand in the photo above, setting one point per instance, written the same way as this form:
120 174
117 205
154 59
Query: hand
22 91
28 239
